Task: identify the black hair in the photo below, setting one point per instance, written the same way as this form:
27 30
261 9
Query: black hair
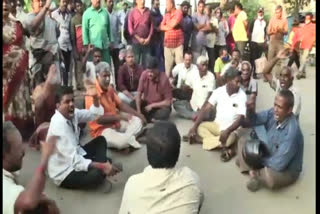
163 145
152 63
221 50
279 7
189 52
201 2
78 1
288 95
97 50
309 14
7 127
61 91
236 50
238 5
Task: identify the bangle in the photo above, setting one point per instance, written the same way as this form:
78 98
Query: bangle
41 169
100 166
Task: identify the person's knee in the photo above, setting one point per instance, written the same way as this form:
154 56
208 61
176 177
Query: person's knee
101 141
96 177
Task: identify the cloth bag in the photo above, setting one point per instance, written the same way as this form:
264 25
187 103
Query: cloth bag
260 63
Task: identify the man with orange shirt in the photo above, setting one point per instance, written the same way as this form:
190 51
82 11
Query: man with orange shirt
277 28
120 123
307 38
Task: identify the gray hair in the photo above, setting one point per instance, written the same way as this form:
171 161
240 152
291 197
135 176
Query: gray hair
202 59
8 127
102 66
248 63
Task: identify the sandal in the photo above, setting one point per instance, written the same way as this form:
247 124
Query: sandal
227 154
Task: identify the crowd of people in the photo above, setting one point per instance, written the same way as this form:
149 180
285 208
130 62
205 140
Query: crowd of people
133 65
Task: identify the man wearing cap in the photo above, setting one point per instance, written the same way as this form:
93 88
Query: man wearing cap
173 36
258 38
162 187
187 24
277 28
282 159
155 88
230 101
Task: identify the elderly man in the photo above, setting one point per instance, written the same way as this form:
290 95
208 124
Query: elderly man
173 36
98 34
162 187
285 81
230 101
156 91
284 145
128 77
119 123
16 198
140 26
180 73
277 28
74 166
202 83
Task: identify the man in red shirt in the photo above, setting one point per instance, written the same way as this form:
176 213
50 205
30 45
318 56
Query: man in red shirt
173 36
156 91
307 38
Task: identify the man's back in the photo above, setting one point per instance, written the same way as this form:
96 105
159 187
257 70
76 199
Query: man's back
174 190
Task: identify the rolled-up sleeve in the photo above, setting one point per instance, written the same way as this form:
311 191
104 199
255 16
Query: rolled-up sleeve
167 91
93 113
261 118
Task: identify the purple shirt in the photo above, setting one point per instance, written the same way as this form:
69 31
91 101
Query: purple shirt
140 24
129 79
155 91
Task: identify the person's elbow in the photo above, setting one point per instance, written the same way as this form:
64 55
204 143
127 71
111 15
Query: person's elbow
26 202
167 102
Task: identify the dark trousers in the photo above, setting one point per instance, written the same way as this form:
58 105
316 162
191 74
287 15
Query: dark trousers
256 51
294 58
96 151
155 113
240 46
116 63
67 62
212 56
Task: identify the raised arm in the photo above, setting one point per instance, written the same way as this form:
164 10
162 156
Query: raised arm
40 16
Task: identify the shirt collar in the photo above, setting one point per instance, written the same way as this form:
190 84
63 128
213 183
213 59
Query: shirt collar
284 123
9 175
99 89
100 9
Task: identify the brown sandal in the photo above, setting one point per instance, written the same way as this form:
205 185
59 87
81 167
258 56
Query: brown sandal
227 154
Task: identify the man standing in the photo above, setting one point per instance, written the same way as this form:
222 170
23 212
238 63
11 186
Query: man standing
230 101
115 23
156 91
16 198
74 166
307 38
162 187
200 29
277 28
120 123
258 38
239 30
140 26
187 24
63 18
77 44
99 33
173 36
283 164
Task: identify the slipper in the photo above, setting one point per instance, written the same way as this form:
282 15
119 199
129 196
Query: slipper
226 155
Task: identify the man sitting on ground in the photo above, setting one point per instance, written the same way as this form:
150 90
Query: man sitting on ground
285 81
74 166
284 144
181 72
128 77
120 123
155 88
201 83
162 187
16 198
230 101
235 56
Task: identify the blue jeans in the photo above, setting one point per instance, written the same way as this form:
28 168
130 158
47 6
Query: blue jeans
141 53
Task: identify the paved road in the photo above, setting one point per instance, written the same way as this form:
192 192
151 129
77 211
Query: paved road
224 186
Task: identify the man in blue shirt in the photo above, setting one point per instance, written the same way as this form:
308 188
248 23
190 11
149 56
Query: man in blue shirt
283 140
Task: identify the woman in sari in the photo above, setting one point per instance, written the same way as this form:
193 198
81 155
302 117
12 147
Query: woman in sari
16 94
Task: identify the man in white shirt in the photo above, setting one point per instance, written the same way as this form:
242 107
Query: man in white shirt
258 38
202 83
16 198
230 101
75 166
180 72
162 187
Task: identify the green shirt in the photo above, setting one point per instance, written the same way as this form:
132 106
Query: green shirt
218 65
96 28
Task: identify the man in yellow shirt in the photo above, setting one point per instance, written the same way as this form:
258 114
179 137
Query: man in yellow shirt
239 30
